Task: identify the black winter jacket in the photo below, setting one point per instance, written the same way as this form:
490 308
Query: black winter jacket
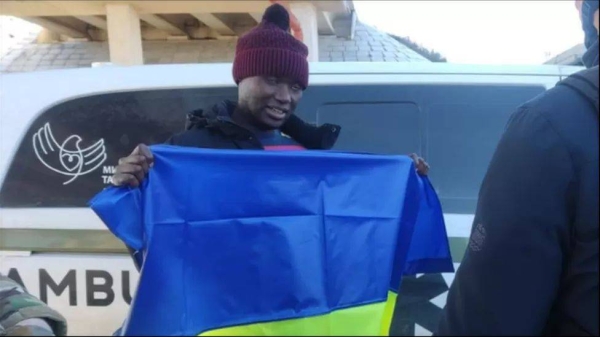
213 129
531 266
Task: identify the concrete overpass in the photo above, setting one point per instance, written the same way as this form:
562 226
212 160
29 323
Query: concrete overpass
125 24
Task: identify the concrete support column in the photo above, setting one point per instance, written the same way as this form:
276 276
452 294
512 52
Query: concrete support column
124 35
47 36
306 13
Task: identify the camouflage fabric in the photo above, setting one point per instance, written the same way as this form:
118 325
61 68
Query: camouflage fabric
24 315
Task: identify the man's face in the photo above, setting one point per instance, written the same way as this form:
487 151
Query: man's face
270 100
579 5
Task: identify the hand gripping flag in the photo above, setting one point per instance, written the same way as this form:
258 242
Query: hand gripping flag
274 243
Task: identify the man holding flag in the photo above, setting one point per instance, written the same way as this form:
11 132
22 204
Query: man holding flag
270 243
271 70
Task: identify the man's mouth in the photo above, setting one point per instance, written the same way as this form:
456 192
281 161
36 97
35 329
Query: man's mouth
276 113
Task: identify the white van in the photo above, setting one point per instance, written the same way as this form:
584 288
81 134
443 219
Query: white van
62 132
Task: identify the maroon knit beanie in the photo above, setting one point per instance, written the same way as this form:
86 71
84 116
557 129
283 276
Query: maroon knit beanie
270 50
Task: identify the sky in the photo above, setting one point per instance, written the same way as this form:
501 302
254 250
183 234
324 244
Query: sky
480 32
14 30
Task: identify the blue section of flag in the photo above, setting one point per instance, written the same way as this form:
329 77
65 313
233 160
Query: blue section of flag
239 237
429 248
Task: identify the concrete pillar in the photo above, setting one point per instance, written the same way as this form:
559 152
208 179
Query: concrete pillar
306 13
47 36
124 35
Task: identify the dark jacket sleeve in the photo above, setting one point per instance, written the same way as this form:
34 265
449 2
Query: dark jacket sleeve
509 277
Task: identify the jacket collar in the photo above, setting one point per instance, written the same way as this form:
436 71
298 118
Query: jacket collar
219 117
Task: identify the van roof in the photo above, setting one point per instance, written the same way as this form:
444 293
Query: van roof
76 82
322 68
434 68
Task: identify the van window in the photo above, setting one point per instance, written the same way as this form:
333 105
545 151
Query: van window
385 128
462 139
93 133
464 125
454 127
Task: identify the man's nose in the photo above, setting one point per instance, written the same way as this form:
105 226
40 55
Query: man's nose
283 95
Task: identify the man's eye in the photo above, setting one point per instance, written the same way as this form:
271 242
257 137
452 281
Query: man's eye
296 87
271 80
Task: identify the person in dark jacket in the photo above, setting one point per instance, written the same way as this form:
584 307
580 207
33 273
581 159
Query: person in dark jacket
271 71
531 266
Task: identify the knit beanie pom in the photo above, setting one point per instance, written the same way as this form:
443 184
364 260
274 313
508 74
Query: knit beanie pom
277 15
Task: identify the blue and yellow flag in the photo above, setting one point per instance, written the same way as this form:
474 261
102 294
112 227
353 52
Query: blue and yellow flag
274 243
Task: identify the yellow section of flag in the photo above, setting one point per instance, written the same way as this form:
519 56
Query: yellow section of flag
364 320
